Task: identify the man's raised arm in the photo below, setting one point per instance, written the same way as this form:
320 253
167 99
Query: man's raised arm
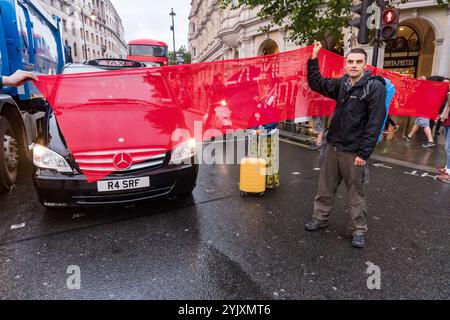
328 87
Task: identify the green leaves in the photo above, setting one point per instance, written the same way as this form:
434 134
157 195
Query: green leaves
182 56
306 20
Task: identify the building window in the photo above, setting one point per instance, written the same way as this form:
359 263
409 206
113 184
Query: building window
64 23
407 41
75 49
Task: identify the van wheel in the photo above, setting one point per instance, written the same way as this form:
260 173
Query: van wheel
243 194
9 156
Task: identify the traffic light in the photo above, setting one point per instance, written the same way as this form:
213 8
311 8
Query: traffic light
389 24
361 22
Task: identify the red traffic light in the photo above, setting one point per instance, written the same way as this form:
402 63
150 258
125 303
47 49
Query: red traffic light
389 16
389 23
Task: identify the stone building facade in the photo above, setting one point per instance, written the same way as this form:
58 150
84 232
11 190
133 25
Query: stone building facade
422 48
216 34
91 28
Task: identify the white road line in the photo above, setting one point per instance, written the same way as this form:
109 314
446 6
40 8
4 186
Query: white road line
18 226
295 143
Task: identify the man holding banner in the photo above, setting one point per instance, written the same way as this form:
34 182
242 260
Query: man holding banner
353 134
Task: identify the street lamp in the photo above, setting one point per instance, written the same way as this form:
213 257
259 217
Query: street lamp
173 30
92 16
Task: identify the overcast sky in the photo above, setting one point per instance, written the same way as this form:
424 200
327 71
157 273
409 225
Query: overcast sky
151 19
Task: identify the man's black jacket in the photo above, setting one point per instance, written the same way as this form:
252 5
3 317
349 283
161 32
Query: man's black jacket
358 119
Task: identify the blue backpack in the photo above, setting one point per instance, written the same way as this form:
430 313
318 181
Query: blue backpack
390 92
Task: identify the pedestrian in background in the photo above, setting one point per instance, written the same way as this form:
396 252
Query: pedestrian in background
351 138
388 123
269 133
445 118
438 125
421 123
319 129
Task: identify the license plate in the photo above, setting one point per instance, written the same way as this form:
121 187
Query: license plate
123 184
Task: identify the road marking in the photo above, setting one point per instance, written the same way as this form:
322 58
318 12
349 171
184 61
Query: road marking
401 163
295 143
377 158
381 165
413 173
18 226
425 175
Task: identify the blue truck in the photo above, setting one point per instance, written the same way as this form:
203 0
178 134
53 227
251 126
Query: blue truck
30 40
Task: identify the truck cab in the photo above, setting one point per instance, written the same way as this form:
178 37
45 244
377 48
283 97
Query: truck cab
30 40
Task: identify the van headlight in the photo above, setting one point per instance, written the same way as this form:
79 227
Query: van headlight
184 151
45 158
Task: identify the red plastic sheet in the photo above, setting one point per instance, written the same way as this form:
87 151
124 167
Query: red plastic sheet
146 109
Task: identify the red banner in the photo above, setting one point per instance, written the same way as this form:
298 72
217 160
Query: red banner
146 109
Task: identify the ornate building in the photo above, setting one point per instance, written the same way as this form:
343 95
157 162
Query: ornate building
422 48
216 33
424 35
91 28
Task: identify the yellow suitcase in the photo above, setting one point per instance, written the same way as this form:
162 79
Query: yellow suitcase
253 174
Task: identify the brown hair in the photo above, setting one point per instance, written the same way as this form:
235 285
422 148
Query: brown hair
357 50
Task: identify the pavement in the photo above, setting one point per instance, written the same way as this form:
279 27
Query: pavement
217 245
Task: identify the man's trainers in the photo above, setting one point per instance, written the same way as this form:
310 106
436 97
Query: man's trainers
406 138
429 144
358 241
444 177
441 170
396 127
314 225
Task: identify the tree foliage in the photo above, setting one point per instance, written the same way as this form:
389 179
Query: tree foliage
306 20
182 53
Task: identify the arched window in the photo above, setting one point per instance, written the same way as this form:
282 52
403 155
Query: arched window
407 41
268 47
